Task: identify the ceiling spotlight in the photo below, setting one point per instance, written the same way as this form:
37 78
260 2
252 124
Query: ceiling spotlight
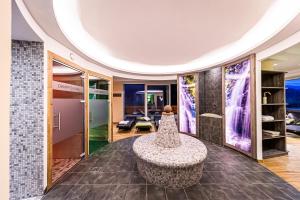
71 56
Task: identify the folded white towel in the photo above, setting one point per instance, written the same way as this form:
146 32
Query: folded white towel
123 122
273 133
267 118
147 119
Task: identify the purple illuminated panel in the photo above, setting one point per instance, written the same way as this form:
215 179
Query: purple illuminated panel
237 107
187 106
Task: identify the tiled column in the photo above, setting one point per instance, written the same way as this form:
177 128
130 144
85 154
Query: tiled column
26 121
5 58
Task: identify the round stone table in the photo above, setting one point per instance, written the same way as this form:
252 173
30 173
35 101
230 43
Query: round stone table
177 167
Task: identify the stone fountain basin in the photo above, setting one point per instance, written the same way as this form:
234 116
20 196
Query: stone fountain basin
170 167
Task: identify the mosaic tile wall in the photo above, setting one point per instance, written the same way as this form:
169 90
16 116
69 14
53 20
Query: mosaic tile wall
210 89
26 121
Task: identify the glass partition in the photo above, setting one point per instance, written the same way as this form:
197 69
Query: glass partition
293 94
98 113
157 98
134 99
68 122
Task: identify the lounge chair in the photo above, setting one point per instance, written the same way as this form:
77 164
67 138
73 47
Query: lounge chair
143 124
127 123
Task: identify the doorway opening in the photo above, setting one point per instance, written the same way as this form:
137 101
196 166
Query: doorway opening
282 100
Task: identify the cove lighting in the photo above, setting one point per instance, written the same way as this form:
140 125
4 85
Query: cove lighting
275 19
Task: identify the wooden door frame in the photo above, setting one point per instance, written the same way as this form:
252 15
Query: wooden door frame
51 57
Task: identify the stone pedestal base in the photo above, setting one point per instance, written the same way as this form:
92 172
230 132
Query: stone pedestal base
170 177
170 167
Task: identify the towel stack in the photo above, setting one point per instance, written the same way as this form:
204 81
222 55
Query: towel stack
124 122
267 118
271 133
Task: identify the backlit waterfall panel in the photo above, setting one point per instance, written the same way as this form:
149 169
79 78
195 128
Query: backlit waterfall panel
187 108
237 107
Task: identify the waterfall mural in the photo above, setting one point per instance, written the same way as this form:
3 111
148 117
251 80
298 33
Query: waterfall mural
187 102
237 106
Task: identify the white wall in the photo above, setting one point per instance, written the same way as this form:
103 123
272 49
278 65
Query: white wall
5 58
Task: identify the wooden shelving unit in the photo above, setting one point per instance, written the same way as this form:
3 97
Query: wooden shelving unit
273 82
274 121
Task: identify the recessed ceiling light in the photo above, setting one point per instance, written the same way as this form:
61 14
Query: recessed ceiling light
275 64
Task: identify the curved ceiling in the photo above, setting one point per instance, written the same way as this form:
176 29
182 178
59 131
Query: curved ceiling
164 37
156 38
167 32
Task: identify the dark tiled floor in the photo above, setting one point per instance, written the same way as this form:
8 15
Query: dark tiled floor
112 174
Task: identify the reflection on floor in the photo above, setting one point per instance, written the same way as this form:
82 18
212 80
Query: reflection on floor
287 167
96 145
99 132
66 154
71 147
98 137
61 166
228 175
122 134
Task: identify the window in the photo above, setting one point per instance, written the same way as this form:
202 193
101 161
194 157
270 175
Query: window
134 99
157 98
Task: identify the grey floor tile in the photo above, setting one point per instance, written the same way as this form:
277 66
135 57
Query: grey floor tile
97 192
197 194
123 177
176 194
135 192
280 191
108 178
118 192
253 192
71 178
229 191
112 174
136 178
90 178
155 193
78 192
58 192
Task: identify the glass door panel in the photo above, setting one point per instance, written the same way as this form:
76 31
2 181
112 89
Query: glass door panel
98 113
68 122
134 99
157 98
